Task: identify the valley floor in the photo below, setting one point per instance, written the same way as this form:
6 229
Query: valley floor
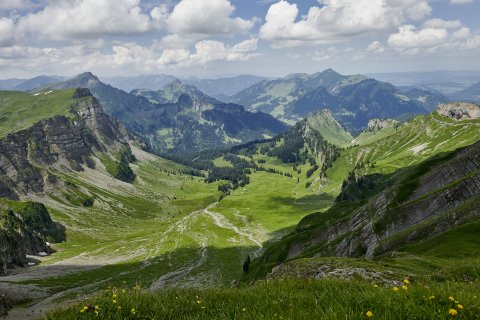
168 229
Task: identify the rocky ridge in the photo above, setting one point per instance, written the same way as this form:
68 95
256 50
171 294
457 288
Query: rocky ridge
28 158
460 110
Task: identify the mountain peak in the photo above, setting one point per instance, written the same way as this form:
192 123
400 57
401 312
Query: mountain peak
87 76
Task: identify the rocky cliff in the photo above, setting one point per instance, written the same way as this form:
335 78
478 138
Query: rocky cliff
29 157
32 161
460 110
376 215
25 229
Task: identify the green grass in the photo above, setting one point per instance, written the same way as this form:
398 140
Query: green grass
20 110
458 243
220 162
285 299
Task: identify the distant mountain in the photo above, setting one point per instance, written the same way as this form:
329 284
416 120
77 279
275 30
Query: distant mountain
37 82
9 84
179 119
223 88
28 84
147 81
354 100
220 88
172 91
471 93
428 99
444 82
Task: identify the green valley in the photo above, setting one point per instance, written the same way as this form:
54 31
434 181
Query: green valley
227 219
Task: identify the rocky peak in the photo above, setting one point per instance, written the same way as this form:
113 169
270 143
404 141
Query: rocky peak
375 125
82 93
459 110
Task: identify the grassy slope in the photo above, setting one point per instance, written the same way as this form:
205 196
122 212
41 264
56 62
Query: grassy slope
286 299
20 110
139 234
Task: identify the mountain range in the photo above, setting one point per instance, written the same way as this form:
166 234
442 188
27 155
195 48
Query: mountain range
90 208
178 119
354 100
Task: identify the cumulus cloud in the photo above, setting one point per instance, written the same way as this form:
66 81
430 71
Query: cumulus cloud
6 31
91 18
337 19
440 23
409 37
136 57
206 51
433 36
375 47
206 17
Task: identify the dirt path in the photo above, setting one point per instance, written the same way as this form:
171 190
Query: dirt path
170 236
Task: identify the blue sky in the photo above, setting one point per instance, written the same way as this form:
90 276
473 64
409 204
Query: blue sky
227 37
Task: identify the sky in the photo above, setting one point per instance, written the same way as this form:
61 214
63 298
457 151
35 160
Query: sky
214 38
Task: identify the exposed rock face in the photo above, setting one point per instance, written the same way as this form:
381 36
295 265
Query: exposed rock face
436 196
62 143
460 110
25 230
375 125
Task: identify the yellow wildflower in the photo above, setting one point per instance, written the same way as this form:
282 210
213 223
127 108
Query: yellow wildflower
198 301
82 310
375 285
395 289
132 311
451 298
114 301
459 307
123 291
404 287
369 314
453 312
431 297
97 307
114 296
406 281
244 309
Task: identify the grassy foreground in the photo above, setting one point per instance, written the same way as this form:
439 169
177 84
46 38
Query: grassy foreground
287 299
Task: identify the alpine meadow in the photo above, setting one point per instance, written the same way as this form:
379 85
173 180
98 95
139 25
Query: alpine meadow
232 159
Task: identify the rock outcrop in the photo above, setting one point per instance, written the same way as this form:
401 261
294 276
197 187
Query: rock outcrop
25 229
460 110
27 157
375 125
422 202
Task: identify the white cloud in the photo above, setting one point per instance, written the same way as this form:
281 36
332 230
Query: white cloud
325 54
206 17
446 36
460 1
375 47
207 51
6 31
408 37
337 19
123 56
91 18
444 24
473 43
461 33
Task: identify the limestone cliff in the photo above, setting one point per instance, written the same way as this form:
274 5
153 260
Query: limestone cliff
29 157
